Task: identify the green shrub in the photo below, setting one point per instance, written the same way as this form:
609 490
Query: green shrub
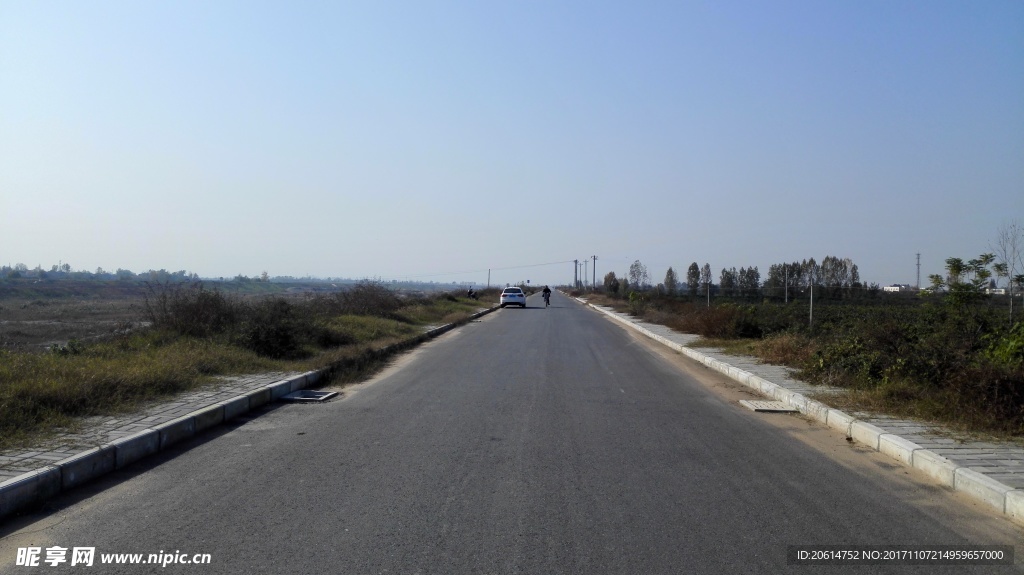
271 329
1007 349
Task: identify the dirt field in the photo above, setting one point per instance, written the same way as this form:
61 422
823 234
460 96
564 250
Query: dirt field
35 316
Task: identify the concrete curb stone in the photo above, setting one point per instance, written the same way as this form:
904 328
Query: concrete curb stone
235 407
1015 505
259 398
208 417
981 487
280 389
935 466
898 448
840 421
86 466
130 449
176 430
866 433
27 487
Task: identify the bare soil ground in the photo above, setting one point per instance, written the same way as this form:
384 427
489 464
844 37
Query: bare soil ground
34 320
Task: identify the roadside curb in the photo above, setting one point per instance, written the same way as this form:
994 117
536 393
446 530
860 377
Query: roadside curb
1007 500
41 484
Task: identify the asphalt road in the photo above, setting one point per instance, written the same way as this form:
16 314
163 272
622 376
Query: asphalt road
532 441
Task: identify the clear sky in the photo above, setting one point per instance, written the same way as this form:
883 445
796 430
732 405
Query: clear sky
418 139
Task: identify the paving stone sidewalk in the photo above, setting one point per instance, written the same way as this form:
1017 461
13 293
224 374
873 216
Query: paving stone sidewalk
1001 461
97 431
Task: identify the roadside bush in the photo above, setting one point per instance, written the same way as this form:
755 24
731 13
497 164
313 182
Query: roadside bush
988 396
1007 349
637 303
787 348
720 321
270 328
189 309
273 327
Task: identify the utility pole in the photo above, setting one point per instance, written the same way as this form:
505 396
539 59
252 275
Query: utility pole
786 268
810 321
919 272
593 282
576 274
585 262
488 278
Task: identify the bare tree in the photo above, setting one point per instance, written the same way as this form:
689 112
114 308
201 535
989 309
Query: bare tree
638 276
705 281
1009 250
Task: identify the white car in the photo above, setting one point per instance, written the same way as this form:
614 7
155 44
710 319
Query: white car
513 296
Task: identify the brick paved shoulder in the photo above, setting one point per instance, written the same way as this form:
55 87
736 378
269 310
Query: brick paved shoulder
96 431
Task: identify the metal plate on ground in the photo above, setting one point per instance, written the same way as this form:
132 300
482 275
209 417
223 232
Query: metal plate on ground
767 406
309 396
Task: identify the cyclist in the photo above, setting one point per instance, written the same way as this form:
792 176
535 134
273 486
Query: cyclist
547 296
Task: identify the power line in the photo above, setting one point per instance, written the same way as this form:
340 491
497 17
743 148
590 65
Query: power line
485 270
533 265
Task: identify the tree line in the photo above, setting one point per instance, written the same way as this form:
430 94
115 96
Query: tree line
64 271
834 277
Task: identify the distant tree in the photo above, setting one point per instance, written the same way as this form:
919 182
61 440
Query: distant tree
159 276
671 282
66 268
638 276
727 282
774 284
264 277
955 270
809 273
693 279
705 281
754 279
965 282
611 283
124 275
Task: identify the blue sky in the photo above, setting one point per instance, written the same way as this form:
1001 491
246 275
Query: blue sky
420 139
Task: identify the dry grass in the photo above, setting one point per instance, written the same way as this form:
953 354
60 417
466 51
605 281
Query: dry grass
790 349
